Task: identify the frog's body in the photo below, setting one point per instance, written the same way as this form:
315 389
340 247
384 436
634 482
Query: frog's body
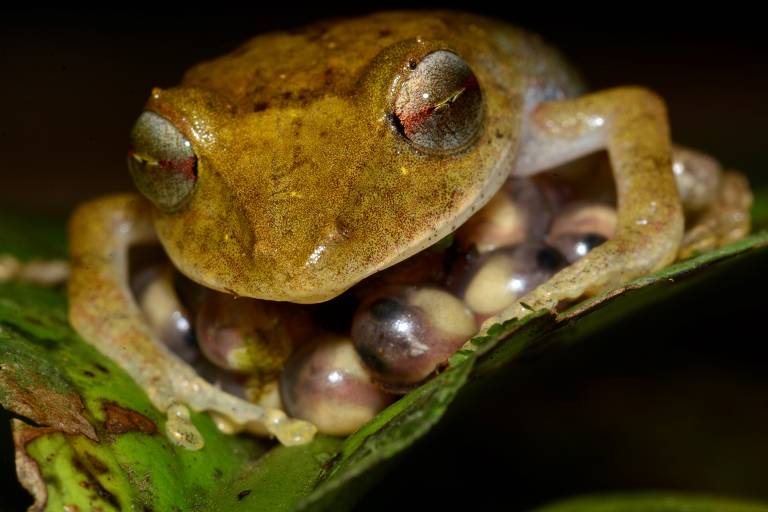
304 186
308 176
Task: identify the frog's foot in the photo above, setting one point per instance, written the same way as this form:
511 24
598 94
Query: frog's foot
103 311
630 123
41 272
725 221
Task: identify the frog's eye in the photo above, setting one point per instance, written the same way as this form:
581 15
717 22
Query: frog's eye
161 161
439 107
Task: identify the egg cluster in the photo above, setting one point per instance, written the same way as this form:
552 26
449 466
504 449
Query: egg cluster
339 363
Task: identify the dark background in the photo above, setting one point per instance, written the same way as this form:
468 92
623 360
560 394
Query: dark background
675 397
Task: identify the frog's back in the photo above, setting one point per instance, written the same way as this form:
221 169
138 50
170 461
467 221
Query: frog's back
280 68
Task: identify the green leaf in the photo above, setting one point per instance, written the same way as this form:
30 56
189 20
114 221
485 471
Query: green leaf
653 502
759 213
97 440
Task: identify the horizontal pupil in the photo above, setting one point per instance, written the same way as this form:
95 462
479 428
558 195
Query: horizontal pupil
186 167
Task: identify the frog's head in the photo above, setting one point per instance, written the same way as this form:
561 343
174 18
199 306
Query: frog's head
301 163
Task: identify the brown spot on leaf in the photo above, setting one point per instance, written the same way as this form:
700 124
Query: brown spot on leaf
61 410
96 465
121 420
243 494
93 482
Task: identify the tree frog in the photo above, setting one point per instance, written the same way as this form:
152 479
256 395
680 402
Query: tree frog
305 161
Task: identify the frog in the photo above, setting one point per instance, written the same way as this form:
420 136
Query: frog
306 161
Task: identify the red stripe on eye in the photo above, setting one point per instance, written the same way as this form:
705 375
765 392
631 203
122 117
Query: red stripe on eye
186 167
412 121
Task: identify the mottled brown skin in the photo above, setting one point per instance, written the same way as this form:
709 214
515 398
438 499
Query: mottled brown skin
305 186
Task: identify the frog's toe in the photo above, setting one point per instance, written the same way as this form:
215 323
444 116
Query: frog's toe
289 431
231 415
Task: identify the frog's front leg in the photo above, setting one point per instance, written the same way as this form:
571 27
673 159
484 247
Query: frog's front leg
103 311
631 124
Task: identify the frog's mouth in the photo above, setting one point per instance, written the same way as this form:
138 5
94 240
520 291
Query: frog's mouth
338 362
